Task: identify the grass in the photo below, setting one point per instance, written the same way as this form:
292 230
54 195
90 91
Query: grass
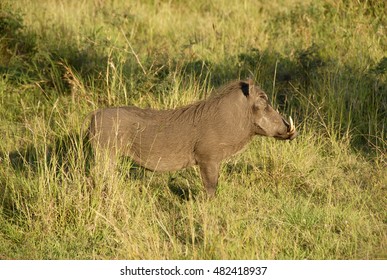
321 196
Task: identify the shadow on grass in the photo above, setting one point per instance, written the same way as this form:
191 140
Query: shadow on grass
181 186
180 183
60 155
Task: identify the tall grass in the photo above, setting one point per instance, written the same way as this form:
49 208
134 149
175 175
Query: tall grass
321 196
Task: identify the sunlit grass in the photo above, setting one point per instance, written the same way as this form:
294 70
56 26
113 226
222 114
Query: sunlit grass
321 196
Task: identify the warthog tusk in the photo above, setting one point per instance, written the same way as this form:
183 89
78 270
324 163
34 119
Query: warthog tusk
292 128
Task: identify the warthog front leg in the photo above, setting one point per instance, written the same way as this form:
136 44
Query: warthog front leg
210 173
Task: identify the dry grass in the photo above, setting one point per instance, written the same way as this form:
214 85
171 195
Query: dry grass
321 196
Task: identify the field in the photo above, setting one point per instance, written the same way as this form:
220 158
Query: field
321 196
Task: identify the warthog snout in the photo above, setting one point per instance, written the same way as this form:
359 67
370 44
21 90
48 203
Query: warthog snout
291 132
203 133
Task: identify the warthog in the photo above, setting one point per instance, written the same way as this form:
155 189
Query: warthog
203 133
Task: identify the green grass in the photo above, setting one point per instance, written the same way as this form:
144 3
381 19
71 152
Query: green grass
321 196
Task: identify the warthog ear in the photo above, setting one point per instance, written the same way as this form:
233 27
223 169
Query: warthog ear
245 87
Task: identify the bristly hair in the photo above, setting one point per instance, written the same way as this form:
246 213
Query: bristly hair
230 87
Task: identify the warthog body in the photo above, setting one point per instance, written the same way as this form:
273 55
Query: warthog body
203 133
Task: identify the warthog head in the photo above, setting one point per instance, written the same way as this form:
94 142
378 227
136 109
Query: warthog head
266 120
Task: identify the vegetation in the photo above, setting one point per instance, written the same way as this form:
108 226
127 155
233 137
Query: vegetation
321 196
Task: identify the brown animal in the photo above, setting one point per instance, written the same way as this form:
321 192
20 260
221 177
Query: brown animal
203 133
